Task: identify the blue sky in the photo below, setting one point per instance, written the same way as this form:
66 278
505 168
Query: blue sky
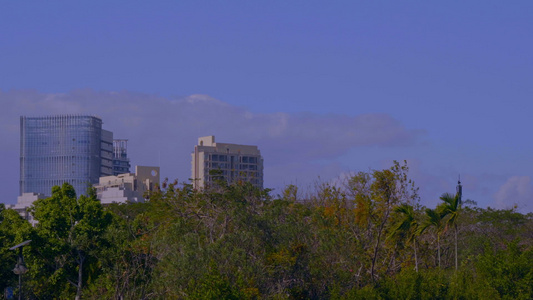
324 88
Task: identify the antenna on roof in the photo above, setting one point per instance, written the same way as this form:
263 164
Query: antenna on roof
459 189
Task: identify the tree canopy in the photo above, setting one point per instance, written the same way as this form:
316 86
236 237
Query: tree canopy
367 239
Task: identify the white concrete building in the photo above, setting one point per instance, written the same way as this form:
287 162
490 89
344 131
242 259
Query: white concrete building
232 162
129 187
23 203
123 188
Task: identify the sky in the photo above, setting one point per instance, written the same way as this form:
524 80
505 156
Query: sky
323 88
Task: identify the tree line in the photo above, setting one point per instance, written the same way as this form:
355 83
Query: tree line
368 238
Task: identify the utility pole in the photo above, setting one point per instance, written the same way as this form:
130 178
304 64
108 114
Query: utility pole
20 268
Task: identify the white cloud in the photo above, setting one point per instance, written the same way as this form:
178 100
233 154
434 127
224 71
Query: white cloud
166 130
516 191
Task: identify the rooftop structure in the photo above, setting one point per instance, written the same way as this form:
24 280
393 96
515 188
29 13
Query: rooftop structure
231 162
129 187
121 162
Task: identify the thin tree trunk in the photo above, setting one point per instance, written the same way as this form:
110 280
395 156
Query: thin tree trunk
456 265
376 252
438 248
416 257
20 283
80 277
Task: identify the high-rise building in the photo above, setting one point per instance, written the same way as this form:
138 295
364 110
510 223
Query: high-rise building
121 162
233 163
63 148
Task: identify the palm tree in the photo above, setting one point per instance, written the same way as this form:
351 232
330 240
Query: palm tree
451 209
434 219
409 225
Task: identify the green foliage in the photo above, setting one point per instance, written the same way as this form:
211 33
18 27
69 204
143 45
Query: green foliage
13 231
368 239
509 271
429 284
68 238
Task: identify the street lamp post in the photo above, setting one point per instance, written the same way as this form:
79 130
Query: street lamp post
20 267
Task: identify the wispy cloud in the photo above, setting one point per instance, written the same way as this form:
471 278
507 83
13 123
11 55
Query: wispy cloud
516 191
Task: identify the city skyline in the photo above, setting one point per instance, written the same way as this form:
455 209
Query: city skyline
277 144
323 89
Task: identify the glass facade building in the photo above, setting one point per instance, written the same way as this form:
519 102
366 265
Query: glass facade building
65 148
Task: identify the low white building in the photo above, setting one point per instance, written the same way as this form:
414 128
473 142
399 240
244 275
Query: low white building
129 187
23 203
123 188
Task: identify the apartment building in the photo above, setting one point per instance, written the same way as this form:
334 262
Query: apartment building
212 161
